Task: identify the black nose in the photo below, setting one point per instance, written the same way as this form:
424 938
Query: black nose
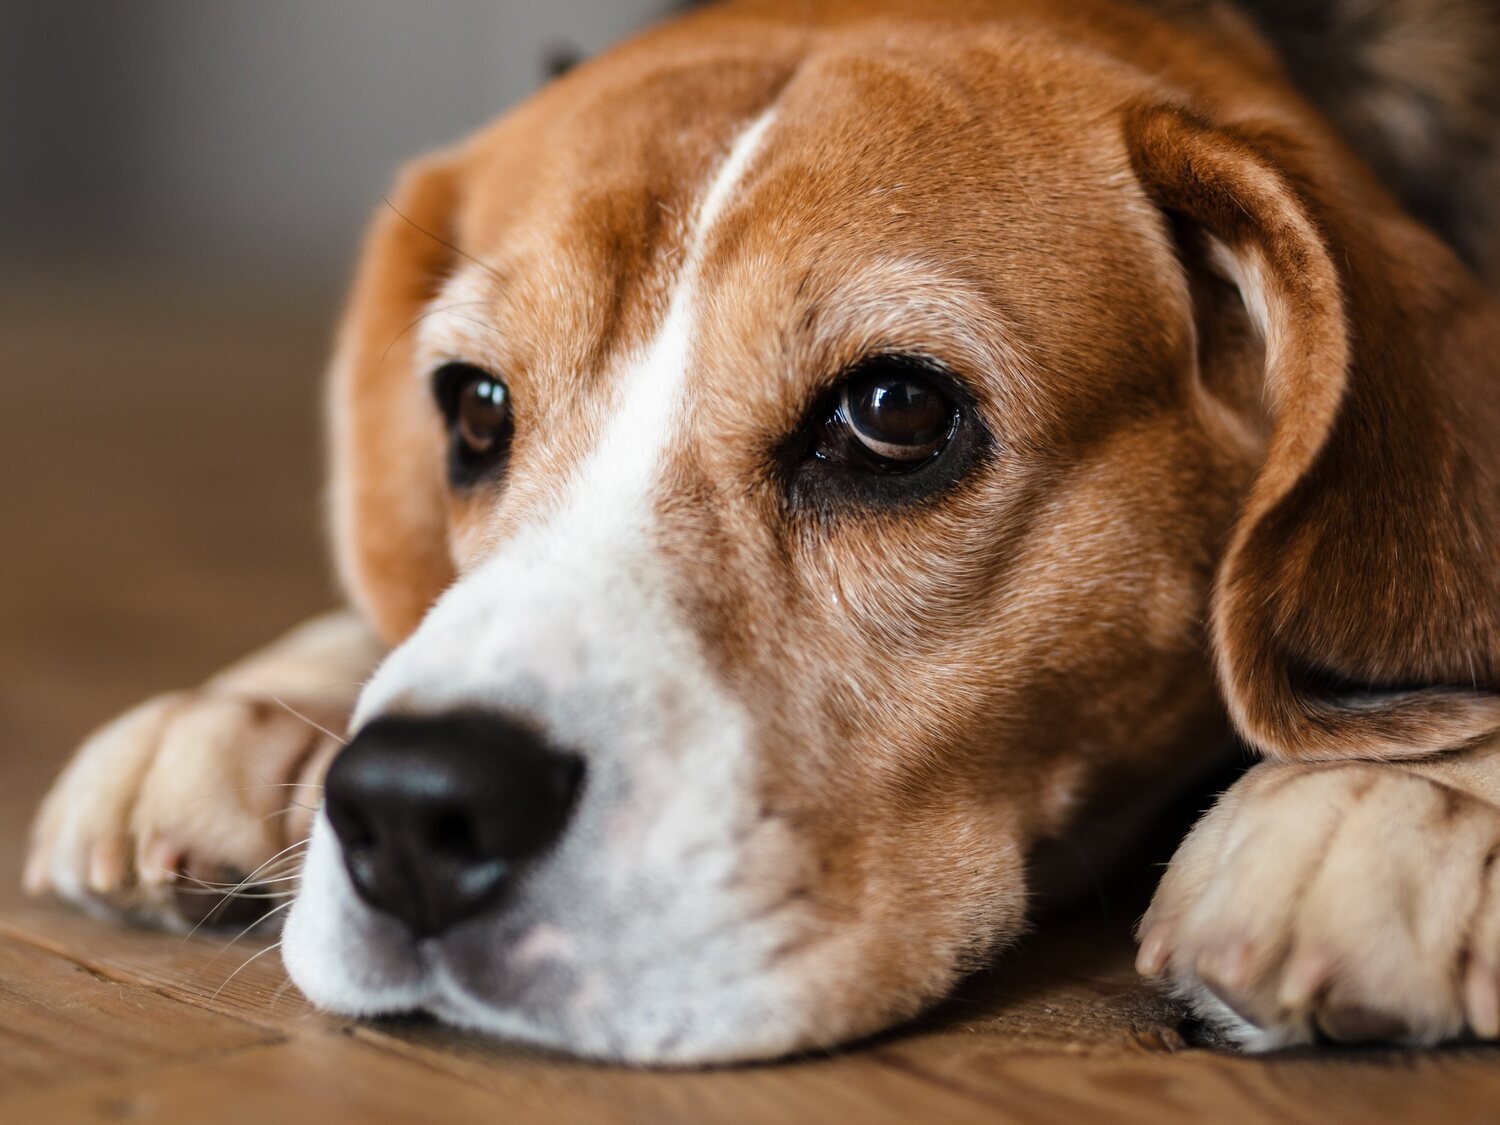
435 814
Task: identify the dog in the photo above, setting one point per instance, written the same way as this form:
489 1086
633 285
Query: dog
809 461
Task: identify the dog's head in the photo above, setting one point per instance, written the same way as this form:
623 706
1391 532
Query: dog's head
803 468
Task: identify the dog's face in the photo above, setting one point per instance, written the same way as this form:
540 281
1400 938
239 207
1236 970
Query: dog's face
820 457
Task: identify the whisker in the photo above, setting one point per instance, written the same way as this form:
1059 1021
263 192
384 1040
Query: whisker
240 895
230 943
302 843
243 966
261 785
443 242
315 726
208 885
247 880
289 808
280 992
332 684
185 882
433 312
281 873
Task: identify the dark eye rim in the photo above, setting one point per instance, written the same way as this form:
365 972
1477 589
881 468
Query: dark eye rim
826 485
467 469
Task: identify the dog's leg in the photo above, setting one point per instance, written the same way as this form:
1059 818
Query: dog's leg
1349 901
188 794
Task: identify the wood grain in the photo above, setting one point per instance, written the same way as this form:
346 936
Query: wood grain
61 1019
159 486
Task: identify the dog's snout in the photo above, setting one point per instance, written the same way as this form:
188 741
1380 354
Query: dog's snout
434 814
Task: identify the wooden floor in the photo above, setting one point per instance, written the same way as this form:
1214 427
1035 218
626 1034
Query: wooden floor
158 495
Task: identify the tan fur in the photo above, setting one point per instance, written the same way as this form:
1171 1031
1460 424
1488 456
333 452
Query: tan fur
202 786
1033 191
1352 901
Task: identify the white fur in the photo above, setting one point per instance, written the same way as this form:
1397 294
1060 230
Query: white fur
646 901
1233 1026
1244 270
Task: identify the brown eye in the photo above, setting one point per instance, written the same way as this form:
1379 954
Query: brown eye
891 417
483 415
476 407
898 428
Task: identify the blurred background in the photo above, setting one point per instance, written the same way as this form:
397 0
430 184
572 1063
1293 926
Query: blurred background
252 133
182 188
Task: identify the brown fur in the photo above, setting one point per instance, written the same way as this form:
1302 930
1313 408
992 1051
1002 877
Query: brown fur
995 661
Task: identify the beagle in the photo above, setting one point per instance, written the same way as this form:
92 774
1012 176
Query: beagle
807 461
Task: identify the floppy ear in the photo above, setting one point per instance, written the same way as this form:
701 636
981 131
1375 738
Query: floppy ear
388 495
1356 609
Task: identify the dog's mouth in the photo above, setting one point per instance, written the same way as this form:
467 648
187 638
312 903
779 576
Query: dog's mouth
577 957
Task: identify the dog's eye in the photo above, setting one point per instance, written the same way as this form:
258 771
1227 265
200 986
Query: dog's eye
483 414
890 416
898 428
476 406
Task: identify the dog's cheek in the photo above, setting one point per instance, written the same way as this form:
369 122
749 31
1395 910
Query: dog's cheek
951 893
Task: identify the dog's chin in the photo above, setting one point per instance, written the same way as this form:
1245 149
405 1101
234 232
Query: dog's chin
700 995
755 1022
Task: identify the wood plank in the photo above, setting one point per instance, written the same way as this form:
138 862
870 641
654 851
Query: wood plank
1070 987
325 1078
1451 1086
204 971
852 1087
60 1021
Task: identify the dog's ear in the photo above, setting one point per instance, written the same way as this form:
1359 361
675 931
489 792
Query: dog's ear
1356 609
389 503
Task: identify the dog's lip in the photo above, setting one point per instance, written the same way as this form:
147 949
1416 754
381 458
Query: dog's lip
449 1000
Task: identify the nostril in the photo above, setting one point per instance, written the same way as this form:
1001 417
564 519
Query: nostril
451 834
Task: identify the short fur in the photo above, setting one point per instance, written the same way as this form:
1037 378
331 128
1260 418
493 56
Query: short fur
1242 473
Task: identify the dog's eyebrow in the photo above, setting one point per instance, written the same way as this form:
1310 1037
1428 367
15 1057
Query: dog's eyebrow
906 303
454 322
454 310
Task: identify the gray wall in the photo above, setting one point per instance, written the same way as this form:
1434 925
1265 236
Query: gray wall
250 133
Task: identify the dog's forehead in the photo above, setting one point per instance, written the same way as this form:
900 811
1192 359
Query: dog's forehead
900 197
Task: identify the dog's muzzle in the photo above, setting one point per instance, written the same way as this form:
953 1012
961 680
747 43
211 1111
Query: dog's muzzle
436 815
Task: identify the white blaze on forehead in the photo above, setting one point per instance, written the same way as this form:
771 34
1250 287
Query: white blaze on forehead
651 391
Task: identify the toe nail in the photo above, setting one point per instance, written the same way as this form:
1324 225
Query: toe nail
1151 958
1481 1003
34 880
106 866
1303 979
159 862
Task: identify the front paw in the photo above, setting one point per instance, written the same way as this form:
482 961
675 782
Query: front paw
172 805
1348 902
